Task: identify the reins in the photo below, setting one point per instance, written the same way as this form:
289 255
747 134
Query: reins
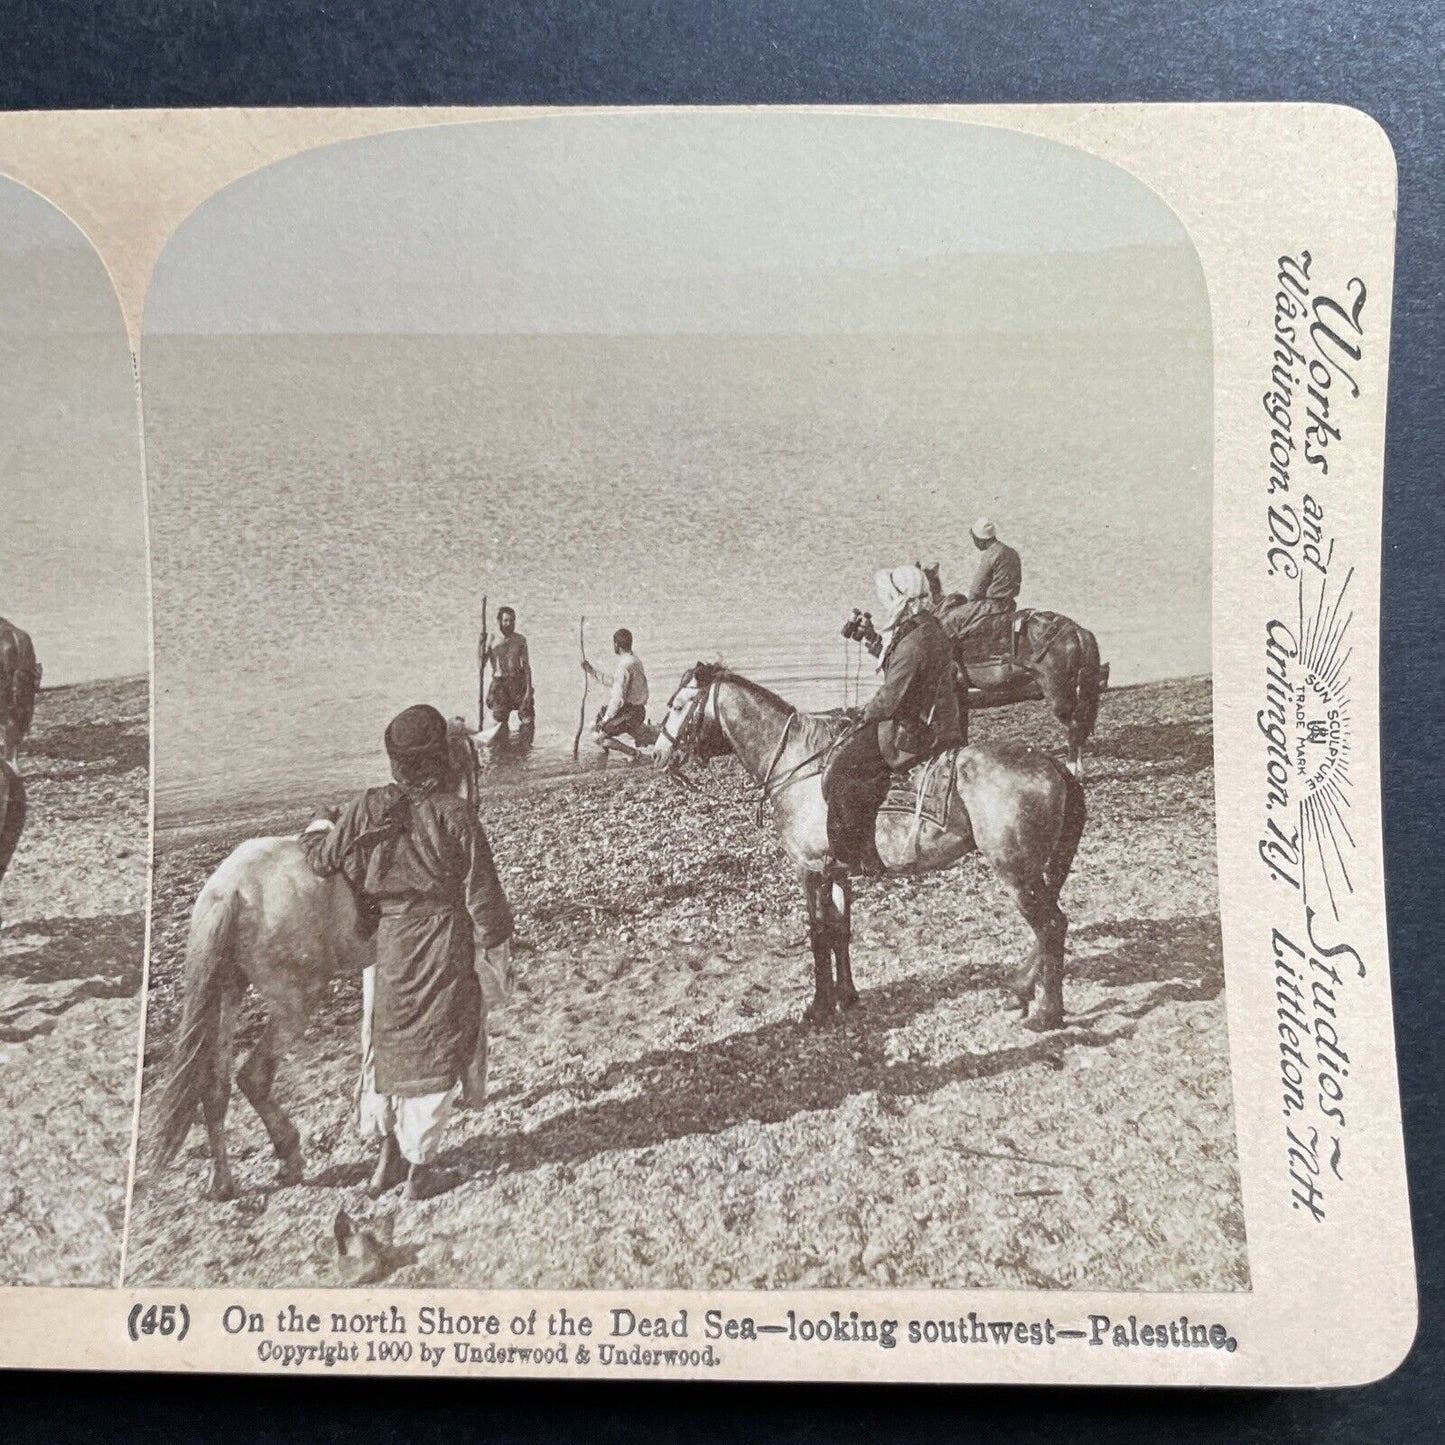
769 787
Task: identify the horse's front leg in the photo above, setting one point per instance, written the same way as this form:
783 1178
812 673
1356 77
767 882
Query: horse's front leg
256 1079
821 1009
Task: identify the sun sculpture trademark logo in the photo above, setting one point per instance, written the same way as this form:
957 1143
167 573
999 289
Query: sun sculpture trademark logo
1322 738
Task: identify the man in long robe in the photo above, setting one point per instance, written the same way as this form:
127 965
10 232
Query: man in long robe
417 854
912 715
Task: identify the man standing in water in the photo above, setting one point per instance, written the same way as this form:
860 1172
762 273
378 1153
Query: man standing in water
912 715
416 853
626 708
511 689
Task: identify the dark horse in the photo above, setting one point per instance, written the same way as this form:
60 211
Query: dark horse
12 813
1024 655
19 682
1017 806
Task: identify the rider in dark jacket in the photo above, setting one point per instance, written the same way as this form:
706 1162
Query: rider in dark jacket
912 716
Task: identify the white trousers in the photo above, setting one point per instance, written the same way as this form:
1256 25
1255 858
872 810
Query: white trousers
417 1121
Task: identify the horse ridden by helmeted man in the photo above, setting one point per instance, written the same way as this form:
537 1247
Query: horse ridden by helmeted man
891 791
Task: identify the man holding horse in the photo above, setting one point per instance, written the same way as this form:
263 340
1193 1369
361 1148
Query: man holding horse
914 714
417 855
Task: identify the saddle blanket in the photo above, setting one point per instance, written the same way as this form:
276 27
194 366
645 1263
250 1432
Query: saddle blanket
925 790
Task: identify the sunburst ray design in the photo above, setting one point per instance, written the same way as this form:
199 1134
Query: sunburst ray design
1324 825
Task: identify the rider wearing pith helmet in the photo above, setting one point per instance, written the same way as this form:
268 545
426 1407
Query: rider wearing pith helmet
913 714
997 578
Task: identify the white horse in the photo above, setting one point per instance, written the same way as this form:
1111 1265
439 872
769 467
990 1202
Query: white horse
263 919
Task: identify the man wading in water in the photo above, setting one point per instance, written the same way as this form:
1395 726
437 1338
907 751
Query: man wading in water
626 709
511 689
420 863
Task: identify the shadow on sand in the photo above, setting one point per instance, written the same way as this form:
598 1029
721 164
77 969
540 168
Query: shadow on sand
785 1068
1169 749
47 966
104 747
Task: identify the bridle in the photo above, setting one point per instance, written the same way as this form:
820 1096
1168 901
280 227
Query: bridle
682 743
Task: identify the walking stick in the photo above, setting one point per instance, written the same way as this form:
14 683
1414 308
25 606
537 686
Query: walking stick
482 669
586 678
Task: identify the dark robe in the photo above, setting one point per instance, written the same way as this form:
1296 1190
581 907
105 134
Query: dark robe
421 856
914 713
917 706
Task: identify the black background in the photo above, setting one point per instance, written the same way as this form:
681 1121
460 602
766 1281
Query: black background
1385 59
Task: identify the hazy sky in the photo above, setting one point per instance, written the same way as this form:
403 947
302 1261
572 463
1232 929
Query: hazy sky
27 221
72 529
631 223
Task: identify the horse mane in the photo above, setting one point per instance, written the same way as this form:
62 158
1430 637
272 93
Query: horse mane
817 730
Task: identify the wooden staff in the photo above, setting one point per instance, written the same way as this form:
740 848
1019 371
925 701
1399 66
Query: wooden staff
482 669
586 678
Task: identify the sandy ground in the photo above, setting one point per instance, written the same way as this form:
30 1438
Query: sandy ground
659 1116
70 971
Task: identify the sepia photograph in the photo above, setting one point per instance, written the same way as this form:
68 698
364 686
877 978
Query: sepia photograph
684 733
74 751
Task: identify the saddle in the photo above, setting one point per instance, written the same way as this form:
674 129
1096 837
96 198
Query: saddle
923 793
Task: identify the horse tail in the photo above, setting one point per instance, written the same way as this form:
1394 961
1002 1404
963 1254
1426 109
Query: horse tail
1061 858
12 813
1088 684
210 972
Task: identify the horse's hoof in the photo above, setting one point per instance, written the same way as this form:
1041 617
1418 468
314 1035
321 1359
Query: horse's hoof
815 1017
849 999
1043 1023
289 1170
221 1191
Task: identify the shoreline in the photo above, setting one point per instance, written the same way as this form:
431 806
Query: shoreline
659 1117
263 815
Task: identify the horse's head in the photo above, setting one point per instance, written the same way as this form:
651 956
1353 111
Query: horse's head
691 728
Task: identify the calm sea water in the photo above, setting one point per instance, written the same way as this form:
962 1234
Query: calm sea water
328 512
72 513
